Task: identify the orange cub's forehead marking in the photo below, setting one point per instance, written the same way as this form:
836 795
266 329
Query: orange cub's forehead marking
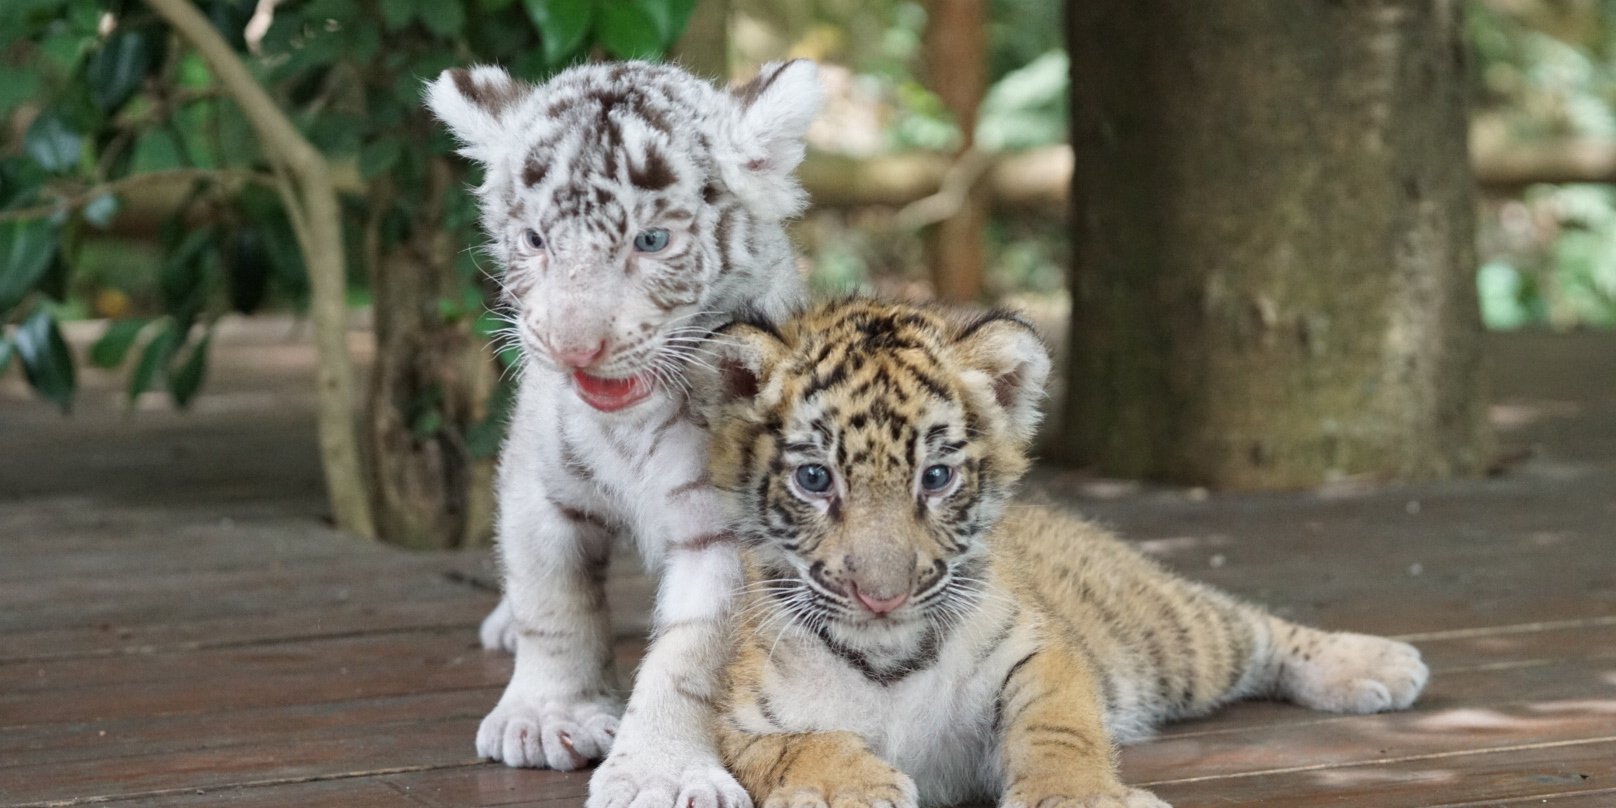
871 378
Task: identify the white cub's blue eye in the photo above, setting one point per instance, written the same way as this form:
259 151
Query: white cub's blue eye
650 241
936 478
532 239
814 478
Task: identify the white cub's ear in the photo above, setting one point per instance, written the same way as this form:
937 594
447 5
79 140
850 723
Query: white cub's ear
1008 362
763 141
475 103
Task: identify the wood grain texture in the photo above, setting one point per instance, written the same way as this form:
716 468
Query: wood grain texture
229 651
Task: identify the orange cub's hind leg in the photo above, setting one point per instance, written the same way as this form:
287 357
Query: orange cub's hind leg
814 770
1053 743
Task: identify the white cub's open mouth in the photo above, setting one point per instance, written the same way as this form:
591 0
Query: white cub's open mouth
612 394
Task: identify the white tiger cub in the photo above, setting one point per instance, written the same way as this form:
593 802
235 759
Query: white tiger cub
631 207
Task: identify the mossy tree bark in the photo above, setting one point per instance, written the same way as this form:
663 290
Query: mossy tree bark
1273 278
431 382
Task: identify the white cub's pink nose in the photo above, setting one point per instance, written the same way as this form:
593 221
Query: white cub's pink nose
880 605
578 355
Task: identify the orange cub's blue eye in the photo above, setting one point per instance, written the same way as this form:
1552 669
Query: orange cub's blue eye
650 241
532 239
813 478
936 478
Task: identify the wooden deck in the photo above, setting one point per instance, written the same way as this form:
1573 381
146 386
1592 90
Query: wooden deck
177 629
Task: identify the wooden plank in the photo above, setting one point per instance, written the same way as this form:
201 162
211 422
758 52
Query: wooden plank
86 690
354 749
1447 777
41 746
1600 798
491 784
484 784
337 616
347 792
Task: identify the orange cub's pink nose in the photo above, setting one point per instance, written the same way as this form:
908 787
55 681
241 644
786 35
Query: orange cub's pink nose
880 605
579 355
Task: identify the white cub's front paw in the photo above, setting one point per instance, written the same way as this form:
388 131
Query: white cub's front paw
1357 673
498 631
649 780
547 733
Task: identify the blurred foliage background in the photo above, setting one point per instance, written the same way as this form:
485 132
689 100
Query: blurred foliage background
133 189
87 101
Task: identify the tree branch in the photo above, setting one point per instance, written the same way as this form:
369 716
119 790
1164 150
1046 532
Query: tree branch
307 186
83 197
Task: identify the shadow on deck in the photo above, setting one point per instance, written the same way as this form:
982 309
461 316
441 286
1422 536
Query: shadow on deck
177 628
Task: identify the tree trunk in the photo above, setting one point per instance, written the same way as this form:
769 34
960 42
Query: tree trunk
957 70
431 381
305 182
1273 277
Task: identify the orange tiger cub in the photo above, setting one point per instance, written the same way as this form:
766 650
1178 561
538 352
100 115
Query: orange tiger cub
910 637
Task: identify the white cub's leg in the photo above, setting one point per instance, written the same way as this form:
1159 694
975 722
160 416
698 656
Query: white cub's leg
1342 672
560 710
498 631
666 755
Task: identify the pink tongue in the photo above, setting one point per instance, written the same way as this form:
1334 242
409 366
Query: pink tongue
609 394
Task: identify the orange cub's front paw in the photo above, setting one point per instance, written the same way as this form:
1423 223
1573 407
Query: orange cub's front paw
1053 796
870 783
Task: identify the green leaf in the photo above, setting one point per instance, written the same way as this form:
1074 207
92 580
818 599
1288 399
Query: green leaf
52 143
61 52
157 150
27 248
110 350
153 358
247 272
181 277
628 31
100 210
187 378
678 18
670 17
16 87
446 18
46 361
562 25
118 67
230 17
397 13
379 157
5 355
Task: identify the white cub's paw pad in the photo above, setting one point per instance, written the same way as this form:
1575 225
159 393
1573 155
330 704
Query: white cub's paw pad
619 783
546 734
498 630
1357 673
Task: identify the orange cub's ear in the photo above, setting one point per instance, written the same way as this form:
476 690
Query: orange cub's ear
744 355
1008 365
